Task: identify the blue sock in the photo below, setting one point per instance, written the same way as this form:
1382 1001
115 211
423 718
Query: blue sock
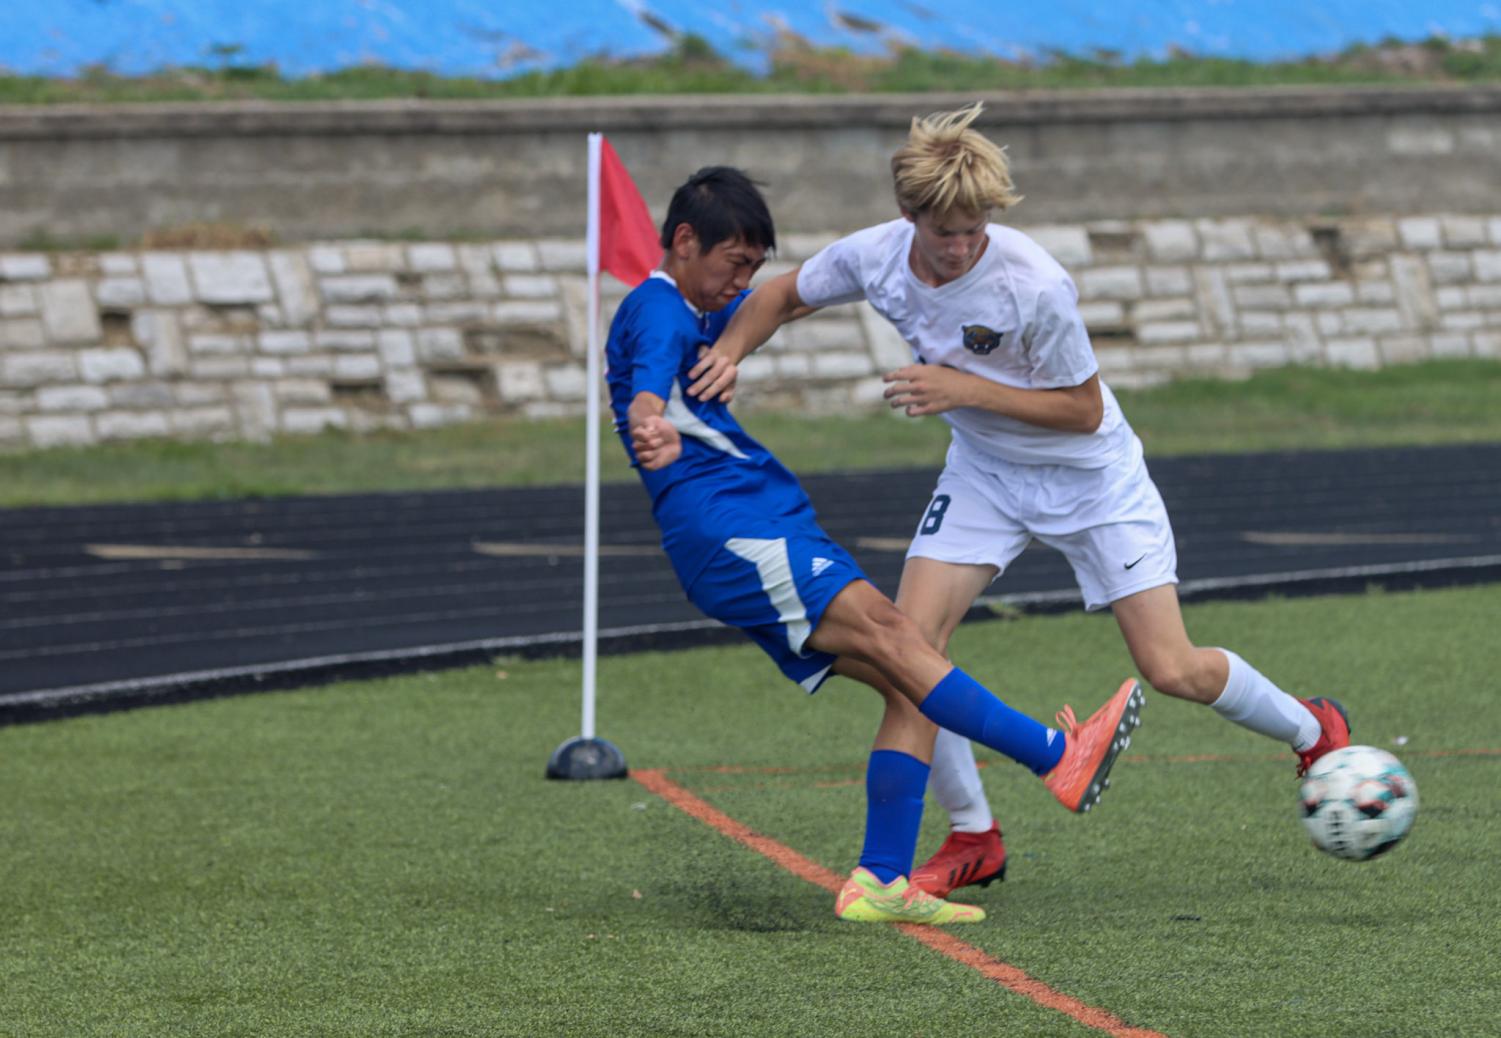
894 787
961 704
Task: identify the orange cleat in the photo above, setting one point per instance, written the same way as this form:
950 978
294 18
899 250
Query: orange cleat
1083 774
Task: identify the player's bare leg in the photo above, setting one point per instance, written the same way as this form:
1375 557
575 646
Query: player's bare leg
1152 623
934 596
937 595
903 727
868 633
879 889
864 625
969 856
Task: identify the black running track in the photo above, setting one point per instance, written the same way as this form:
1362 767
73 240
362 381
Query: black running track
130 603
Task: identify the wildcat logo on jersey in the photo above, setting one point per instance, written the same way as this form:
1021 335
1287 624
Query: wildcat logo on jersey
980 339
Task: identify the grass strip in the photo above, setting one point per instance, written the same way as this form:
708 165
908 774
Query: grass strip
693 66
1438 402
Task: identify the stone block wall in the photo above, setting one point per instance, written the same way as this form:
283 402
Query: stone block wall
376 334
517 168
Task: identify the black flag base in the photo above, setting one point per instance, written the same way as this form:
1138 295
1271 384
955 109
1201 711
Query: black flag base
579 759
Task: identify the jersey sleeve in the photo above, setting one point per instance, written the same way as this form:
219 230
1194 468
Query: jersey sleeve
656 352
833 275
1058 344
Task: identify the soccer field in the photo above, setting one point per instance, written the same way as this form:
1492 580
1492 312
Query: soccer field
385 858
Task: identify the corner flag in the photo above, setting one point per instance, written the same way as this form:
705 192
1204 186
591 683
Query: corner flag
628 246
622 241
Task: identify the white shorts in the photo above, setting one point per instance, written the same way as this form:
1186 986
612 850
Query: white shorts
1110 523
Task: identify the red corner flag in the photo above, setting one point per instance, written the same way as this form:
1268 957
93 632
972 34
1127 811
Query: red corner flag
628 245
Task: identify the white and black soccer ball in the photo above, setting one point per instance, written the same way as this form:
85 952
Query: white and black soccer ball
1358 802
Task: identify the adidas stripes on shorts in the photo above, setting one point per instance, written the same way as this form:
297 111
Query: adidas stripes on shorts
776 589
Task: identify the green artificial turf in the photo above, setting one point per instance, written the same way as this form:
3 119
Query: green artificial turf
385 858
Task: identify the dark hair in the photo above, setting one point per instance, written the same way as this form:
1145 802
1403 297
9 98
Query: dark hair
720 203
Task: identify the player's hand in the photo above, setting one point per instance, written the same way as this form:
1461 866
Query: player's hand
656 442
714 376
921 389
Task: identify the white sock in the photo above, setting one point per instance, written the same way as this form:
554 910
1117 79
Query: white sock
1253 702
955 781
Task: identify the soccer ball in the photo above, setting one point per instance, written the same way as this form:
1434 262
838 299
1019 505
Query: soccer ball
1358 802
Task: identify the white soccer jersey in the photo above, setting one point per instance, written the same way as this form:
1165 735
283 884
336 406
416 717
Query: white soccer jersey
1013 318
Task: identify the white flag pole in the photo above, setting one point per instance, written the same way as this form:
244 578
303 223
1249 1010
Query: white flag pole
591 450
586 757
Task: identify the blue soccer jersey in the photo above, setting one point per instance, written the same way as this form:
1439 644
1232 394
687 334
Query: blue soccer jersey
739 531
722 474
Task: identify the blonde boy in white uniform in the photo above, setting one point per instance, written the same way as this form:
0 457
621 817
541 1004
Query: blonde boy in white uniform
1039 449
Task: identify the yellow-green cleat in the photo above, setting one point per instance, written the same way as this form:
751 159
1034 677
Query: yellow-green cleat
865 899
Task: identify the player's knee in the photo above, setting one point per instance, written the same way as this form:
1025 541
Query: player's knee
888 635
1170 675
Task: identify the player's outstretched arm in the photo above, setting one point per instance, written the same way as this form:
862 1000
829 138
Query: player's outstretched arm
924 389
655 441
766 309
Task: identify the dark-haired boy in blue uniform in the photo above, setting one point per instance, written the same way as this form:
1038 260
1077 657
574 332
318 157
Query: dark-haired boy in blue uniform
746 546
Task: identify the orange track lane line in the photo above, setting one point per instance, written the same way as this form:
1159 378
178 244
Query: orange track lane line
1004 974
803 868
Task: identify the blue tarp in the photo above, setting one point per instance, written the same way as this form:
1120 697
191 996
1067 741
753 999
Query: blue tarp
500 37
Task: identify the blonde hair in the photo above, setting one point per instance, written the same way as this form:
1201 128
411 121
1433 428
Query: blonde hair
945 166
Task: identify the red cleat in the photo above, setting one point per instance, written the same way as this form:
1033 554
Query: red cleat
965 859
1336 725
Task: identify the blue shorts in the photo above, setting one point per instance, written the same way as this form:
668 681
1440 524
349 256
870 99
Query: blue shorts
776 590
